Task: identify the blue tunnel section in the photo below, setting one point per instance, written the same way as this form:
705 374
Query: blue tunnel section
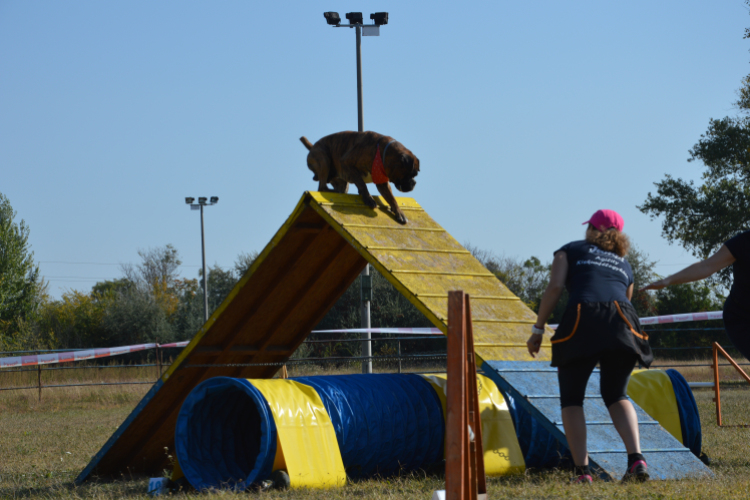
225 435
690 420
385 424
542 450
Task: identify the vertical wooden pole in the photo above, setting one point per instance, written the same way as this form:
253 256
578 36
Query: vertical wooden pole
479 486
39 373
456 430
717 392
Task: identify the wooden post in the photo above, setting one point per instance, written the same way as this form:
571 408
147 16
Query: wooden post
464 463
456 461
39 372
477 450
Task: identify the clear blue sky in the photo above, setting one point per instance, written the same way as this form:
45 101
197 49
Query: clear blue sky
526 116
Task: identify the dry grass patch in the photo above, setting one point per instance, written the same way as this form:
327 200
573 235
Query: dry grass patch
44 446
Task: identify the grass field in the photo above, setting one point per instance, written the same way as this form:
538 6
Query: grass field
45 444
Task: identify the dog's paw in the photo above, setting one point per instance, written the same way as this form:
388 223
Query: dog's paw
369 201
400 218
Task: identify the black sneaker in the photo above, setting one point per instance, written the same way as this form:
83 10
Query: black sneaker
638 472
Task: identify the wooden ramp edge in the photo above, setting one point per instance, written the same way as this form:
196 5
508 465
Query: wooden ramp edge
310 262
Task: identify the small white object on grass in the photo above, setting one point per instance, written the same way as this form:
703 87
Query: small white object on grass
157 486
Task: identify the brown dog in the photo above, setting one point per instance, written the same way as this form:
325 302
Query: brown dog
359 158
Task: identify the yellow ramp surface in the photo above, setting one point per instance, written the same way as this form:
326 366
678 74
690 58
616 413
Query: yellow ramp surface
502 453
308 440
310 262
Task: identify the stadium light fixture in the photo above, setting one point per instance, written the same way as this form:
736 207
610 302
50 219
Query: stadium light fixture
202 202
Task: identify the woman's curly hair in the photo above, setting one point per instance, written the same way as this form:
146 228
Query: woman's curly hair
610 240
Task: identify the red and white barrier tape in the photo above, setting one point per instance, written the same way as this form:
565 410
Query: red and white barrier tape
677 318
67 357
397 331
681 318
175 344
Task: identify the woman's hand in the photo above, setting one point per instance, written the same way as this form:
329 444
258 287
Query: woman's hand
534 344
656 285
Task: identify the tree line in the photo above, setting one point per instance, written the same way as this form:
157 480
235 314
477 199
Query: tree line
152 302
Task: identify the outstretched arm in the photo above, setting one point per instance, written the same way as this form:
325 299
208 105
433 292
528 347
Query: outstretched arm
697 271
549 299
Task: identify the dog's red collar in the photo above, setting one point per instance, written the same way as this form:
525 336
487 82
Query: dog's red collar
378 169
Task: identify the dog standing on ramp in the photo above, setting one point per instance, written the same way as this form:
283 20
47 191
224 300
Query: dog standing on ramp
361 157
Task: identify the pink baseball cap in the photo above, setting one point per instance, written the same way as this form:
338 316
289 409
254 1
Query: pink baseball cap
605 219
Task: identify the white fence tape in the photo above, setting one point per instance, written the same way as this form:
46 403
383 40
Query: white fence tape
396 331
681 318
677 318
67 357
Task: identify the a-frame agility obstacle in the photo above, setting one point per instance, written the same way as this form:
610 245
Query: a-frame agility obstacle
315 256
310 262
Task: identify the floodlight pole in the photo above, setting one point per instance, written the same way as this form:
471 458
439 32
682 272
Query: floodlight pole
365 280
203 202
205 275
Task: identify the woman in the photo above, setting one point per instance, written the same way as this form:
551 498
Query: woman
599 326
737 306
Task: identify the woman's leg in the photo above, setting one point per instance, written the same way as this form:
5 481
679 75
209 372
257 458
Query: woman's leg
574 422
573 379
626 422
615 370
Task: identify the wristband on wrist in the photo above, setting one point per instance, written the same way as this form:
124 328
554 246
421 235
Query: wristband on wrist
537 331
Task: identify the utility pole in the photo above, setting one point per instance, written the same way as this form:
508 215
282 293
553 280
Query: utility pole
365 279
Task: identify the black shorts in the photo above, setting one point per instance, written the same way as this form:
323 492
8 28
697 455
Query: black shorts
591 328
615 368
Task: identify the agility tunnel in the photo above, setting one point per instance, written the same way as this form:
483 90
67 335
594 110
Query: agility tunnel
232 433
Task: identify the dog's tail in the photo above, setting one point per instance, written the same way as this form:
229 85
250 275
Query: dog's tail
307 143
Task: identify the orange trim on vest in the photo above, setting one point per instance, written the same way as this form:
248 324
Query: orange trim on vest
575 327
643 337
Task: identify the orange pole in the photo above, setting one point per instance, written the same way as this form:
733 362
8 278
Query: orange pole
732 361
479 486
456 430
717 392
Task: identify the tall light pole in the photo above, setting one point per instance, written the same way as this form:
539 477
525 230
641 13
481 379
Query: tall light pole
365 280
203 202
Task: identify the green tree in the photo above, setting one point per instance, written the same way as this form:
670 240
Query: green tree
643 274
21 287
702 217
